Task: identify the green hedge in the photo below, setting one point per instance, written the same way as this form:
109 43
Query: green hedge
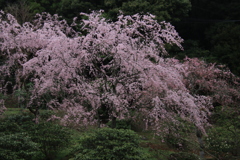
110 144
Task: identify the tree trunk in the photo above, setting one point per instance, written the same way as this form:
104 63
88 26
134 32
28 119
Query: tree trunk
113 122
200 141
36 114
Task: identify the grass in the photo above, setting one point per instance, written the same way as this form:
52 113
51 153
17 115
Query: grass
13 111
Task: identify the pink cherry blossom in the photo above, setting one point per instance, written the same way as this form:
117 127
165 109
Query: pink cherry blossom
112 66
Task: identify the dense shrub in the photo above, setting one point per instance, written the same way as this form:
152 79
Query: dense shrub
9 127
15 143
45 114
223 140
18 146
20 119
224 143
107 143
183 156
21 137
121 124
51 138
180 139
174 141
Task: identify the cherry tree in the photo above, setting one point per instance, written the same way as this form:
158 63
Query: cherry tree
212 80
107 71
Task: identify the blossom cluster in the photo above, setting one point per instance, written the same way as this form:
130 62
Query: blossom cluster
115 67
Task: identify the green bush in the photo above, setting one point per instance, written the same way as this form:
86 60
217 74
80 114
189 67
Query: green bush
183 156
178 142
180 138
121 124
15 143
52 138
9 127
223 142
110 144
20 118
49 137
18 146
45 114
22 122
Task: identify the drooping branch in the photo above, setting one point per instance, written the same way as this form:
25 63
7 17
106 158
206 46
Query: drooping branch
114 67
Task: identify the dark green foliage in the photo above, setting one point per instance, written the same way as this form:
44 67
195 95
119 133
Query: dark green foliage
177 142
225 38
183 156
49 6
51 138
121 124
226 116
20 137
15 143
18 146
21 122
20 119
9 127
215 25
180 137
72 8
110 144
223 141
164 10
192 49
45 114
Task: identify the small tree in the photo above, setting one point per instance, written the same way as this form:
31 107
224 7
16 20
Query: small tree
107 143
51 138
15 143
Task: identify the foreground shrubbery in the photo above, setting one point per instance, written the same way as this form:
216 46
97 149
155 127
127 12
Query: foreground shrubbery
22 139
223 140
107 143
17 146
